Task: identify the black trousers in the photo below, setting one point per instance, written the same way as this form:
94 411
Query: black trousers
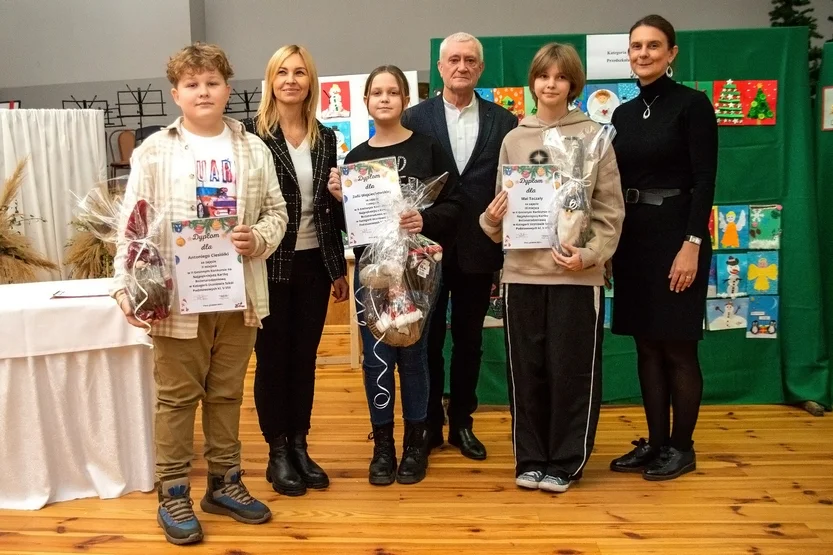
554 364
469 302
287 345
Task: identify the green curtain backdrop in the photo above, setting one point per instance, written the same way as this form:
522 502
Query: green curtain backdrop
824 192
766 164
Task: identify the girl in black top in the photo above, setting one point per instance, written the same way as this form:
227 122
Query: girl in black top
419 156
666 147
308 263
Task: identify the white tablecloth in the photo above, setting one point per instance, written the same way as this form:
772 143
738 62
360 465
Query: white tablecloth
76 397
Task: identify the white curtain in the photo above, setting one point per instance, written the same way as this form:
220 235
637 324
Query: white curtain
67 157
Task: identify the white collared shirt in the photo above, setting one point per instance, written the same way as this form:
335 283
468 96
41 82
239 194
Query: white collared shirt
463 126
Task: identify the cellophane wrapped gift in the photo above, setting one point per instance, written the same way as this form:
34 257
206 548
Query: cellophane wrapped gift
148 281
399 274
577 157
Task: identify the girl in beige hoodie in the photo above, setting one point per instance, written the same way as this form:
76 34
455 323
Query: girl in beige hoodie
554 303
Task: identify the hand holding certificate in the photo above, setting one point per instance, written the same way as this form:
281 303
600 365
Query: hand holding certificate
209 271
529 190
368 189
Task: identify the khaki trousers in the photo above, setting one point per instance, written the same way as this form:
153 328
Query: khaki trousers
211 369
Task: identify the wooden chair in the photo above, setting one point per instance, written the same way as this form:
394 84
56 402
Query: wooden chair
126 142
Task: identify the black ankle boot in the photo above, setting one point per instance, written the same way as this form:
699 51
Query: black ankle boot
280 472
635 461
671 463
383 465
414 454
313 475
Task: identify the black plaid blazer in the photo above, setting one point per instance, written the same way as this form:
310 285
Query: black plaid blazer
327 211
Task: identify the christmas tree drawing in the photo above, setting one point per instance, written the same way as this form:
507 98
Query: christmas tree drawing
759 108
728 107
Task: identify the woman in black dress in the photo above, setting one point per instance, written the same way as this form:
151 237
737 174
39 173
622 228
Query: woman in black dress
666 147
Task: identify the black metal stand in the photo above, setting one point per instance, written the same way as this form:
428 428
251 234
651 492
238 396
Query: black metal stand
140 104
83 104
246 102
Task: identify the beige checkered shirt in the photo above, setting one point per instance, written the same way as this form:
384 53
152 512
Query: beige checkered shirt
162 173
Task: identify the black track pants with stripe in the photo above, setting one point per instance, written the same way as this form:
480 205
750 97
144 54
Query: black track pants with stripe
554 369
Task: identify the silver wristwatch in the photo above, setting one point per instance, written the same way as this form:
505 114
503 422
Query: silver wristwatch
693 239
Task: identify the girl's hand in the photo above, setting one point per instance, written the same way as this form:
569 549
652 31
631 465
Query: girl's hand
497 208
574 263
334 184
411 221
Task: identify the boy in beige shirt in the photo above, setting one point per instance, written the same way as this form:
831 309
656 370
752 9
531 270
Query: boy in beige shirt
203 357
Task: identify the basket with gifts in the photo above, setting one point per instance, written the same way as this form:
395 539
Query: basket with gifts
399 274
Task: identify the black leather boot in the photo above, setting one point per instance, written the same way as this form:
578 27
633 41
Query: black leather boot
671 463
636 460
280 472
414 454
313 475
383 464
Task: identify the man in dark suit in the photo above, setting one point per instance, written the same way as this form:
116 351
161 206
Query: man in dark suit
471 130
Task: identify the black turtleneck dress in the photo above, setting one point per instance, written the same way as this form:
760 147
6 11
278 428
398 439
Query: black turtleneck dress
674 148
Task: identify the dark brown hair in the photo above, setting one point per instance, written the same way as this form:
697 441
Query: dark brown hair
397 73
658 22
198 58
568 62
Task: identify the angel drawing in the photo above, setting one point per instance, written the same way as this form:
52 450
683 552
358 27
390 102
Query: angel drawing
730 225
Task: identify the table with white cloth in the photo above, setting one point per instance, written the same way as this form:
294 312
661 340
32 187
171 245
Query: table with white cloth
76 396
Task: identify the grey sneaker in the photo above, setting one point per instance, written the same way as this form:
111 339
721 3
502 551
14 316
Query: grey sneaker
176 514
555 484
226 495
529 479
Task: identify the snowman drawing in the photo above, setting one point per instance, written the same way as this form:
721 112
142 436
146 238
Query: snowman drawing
336 108
728 319
341 144
734 279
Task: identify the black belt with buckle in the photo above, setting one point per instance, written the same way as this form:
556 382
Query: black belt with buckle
652 196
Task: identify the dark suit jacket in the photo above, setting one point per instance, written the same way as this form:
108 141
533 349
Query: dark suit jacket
327 212
473 251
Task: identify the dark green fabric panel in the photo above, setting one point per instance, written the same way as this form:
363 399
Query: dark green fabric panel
726 372
756 165
824 190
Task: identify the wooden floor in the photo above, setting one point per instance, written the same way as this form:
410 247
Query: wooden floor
764 486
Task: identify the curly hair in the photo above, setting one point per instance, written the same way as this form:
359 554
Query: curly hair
198 58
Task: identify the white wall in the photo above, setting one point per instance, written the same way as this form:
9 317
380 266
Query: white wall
44 42
59 43
823 10
355 36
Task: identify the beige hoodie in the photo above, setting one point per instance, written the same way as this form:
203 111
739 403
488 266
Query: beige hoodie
536 266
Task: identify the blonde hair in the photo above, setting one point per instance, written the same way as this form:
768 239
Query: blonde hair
198 58
267 113
568 62
462 37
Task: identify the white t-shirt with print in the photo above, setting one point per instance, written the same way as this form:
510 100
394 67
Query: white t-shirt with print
215 174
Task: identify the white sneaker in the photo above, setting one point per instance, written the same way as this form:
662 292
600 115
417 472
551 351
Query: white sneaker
555 484
529 479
